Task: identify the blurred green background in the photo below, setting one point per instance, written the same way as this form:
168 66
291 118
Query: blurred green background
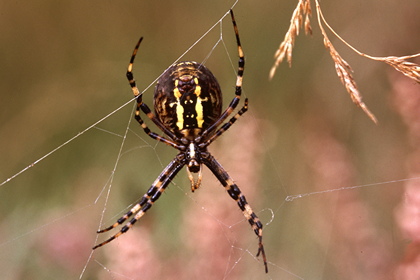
63 68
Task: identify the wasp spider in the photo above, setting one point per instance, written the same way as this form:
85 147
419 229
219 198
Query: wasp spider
188 109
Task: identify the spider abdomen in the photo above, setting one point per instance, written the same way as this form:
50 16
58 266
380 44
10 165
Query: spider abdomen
187 99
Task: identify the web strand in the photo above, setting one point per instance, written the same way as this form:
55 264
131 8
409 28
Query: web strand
290 198
64 144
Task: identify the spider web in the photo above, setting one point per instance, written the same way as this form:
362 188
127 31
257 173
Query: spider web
311 187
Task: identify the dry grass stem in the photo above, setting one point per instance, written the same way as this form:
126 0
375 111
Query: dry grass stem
409 69
344 70
400 63
302 10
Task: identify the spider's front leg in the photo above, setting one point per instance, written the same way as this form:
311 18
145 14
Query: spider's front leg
235 193
154 192
143 106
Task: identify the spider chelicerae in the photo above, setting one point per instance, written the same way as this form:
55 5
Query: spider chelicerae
188 109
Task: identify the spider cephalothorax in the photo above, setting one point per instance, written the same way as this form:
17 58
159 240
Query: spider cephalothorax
188 110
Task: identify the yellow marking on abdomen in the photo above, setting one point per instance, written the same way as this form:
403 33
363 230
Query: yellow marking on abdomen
198 105
179 108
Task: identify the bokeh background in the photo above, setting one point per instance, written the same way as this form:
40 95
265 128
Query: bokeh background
63 69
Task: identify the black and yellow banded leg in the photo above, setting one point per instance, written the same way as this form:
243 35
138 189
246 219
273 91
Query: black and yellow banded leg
235 193
152 134
227 125
238 87
152 195
143 107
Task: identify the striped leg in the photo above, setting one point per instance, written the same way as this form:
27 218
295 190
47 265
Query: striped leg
146 129
238 89
226 126
235 193
142 106
154 192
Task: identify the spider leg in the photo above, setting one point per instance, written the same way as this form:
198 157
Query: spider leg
146 129
235 193
238 88
143 106
226 126
154 192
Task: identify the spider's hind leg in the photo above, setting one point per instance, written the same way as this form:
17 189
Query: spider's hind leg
236 194
153 194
